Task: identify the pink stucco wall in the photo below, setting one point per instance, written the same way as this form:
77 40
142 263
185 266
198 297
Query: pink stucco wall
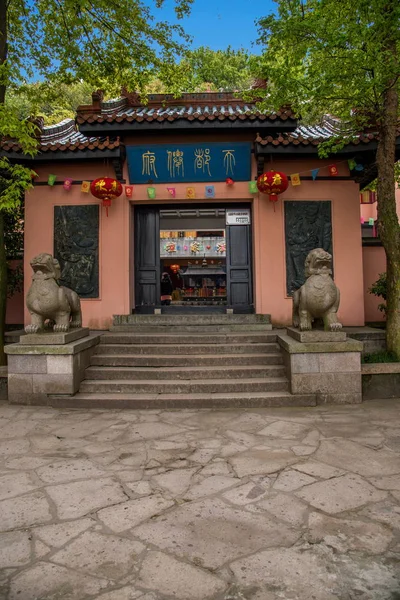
114 239
116 258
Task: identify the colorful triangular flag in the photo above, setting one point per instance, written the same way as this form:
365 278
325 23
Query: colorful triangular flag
333 171
210 191
171 191
51 179
85 187
129 191
190 192
359 167
151 192
295 179
371 221
253 189
352 164
314 173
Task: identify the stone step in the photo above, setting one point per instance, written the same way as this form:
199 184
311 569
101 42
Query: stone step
167 328
189 386
183 373
187 348
181 401
183 360
171 337
193 319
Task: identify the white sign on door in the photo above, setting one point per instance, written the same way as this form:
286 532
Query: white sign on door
238 217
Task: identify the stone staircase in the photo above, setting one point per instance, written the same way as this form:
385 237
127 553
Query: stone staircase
196 361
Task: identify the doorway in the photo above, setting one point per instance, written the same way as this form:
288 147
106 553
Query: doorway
193 258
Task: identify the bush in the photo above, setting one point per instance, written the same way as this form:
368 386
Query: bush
379 289
380 357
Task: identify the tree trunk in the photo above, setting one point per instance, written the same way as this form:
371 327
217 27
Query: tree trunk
388 223
3 289
3 263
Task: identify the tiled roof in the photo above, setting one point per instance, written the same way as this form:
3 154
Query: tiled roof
314 135
64 137
208 106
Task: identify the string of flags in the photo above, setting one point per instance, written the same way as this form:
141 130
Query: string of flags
295 178
209 192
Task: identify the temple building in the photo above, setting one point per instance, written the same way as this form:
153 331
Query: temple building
189 207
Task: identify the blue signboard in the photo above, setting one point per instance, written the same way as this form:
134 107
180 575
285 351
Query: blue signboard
189 162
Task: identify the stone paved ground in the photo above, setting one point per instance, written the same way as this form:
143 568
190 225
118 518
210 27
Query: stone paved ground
293 504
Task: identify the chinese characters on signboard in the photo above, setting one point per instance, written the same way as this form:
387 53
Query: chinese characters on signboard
189 162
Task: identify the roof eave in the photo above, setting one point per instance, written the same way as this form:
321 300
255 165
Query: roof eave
184 125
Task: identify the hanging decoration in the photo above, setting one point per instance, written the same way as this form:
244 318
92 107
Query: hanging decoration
67 185
367 197
85 187
371 221
295 179
171 191
272 183
362 220
190 192
175 268
128 191
352 164
333 171
51 179
151 192
314 174
106 189
210 191
359 167
170 247
253 189
195 247
229 181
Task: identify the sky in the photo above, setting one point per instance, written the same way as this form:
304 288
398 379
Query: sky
222 23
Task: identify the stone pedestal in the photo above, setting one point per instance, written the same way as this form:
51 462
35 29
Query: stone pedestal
36 371
326 364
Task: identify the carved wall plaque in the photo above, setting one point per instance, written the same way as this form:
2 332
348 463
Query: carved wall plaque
76 246
308 225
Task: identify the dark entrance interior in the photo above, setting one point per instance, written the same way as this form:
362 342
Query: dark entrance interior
202 253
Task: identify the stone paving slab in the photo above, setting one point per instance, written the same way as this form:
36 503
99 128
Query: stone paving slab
263 504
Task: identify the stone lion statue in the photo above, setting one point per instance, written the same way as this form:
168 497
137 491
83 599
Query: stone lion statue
318 297
48 301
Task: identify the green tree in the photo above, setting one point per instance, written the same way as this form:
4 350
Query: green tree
54 102
204 69
342 58
214 70
101 42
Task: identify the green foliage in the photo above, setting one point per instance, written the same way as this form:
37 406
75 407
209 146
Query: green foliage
54 102
15 180
379 288
380 357
100 42
218 70
330 57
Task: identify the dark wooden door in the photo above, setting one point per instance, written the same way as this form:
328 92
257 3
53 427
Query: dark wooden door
238 267
147 258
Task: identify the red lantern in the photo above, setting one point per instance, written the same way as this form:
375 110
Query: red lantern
106 189
272 183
